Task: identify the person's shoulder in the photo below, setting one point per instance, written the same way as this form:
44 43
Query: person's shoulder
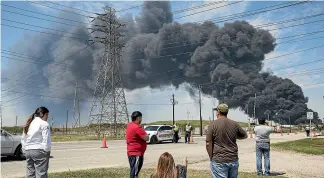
233 122
44 124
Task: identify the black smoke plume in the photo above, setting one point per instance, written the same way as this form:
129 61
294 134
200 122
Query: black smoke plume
226 61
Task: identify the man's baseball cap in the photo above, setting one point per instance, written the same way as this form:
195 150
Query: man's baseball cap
222 108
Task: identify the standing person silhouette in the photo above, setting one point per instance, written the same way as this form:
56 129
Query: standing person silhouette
36 144
188 133
221 144
262 146
136 138
175 133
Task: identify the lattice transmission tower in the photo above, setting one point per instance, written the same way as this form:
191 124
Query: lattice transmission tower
109 109
76 120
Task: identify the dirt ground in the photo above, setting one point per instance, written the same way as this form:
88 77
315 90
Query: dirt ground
88 154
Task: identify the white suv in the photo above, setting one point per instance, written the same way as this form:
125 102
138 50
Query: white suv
10 145
160 133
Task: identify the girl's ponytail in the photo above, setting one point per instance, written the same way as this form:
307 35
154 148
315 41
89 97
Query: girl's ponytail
29 120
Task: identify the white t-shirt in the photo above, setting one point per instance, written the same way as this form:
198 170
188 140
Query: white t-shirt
38 136
262 133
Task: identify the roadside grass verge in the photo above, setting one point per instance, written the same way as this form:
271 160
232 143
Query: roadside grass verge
194 123
75 137
124 173
66 138
309 146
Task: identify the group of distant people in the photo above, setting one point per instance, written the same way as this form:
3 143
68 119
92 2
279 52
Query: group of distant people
221 146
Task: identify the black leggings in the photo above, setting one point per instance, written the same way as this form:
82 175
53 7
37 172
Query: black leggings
135 163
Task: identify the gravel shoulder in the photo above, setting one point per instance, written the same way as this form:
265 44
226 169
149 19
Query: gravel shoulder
72 156
288 163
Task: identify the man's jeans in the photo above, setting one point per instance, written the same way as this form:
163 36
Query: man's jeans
224 170
263 149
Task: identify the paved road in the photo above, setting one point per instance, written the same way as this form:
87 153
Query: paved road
85 155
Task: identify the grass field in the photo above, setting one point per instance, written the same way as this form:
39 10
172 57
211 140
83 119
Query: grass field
66 138
124 173
194 123
309 146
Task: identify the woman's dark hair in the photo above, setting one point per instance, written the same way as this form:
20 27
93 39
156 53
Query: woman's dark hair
40 112
135 115
262 121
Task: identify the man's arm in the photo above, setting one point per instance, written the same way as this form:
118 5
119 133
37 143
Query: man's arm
142 134
209 141
241 133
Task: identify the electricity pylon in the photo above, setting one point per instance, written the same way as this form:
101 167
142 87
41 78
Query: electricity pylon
109 104
76 109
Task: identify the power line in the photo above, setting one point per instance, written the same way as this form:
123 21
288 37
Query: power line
39 13
211 60
229 4
195 7
64 64
58 9
252 12
62 31
268 58
207 37
133 7
25 15
276 69
70 7
82 50
209 83
63 36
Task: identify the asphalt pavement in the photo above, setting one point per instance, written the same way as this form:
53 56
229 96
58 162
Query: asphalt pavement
70 156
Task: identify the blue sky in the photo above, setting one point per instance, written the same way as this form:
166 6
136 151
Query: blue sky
301 75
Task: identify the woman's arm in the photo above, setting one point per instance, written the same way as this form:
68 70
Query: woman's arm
46 135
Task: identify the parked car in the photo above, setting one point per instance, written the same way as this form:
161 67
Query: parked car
11 145
160 133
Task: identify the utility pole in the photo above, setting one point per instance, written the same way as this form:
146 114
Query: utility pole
52 123
200 110
213 114
248 117
173 102
254 117
289 124
16 121
76 108
67 120
188 114
172 109
1 109
109 102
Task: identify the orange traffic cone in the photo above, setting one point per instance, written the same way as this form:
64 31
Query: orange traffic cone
104 142
191 140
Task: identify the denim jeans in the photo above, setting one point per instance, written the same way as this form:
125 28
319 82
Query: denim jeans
263 149
224 170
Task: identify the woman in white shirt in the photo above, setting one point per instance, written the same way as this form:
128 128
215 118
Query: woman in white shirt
36 143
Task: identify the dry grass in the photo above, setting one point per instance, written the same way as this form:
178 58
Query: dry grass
124 173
